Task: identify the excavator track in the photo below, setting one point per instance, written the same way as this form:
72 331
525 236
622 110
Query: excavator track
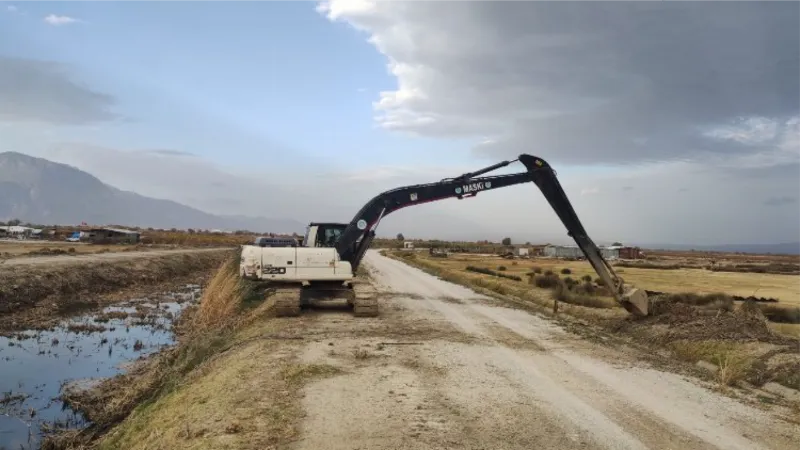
365 300
287 301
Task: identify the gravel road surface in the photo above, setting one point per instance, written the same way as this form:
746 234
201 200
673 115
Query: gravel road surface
444 367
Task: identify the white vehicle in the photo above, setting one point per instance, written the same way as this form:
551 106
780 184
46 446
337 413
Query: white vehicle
323 267
315 267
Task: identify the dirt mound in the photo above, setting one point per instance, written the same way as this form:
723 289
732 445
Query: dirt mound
693 323
681 321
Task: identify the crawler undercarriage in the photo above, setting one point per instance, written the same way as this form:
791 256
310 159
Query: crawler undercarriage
291 298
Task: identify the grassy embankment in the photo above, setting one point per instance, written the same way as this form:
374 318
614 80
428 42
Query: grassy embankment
695 320
231 381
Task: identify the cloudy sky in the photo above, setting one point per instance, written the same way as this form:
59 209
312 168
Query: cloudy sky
668 122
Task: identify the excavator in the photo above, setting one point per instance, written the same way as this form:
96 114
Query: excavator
324 266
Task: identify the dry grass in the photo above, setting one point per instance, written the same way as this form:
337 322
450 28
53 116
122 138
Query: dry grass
786 288
13 249
509 289
186 239
222 297
303 373
734 361
786 329
241 399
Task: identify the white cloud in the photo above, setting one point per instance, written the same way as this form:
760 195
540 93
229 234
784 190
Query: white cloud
601 82
57 20
11 8
773 143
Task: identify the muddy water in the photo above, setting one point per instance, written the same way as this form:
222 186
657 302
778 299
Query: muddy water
35 365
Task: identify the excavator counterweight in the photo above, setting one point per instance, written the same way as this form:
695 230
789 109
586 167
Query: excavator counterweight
326 263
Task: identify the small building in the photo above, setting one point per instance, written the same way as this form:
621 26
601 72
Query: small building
19 232
574 252
630 253
112 236
521 251
610 253
536 250
408 245
562 251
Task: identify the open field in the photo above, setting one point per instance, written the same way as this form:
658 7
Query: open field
14 248
149 240
733 257
786 288
101 257
442 367
196 238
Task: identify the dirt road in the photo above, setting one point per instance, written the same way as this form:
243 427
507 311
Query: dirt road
98 257
444 367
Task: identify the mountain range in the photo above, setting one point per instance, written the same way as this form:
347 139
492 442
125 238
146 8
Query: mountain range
40 191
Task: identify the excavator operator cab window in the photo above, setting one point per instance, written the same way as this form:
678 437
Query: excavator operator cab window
327 236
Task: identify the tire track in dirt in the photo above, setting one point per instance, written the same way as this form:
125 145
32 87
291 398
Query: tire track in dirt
500 378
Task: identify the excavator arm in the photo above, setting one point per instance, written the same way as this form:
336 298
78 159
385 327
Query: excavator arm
359 233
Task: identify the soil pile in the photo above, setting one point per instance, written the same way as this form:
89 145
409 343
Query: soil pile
674 320
691 322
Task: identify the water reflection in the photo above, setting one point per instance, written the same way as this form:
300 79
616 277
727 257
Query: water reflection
35 365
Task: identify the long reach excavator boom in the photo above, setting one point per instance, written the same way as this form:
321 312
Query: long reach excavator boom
359 233
321 273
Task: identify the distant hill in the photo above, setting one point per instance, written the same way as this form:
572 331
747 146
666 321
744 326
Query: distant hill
41 191
788 248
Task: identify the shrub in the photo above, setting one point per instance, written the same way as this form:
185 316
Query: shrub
781 314
549 273
536 269
691 298
501 268
586 288
546 282
487 271
566 271
563 294
587 278
599 281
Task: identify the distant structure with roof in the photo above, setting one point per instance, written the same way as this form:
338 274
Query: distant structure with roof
112 236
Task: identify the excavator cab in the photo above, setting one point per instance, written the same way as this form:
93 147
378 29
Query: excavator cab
323 234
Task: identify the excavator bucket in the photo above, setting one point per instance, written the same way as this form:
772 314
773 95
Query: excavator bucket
636 302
